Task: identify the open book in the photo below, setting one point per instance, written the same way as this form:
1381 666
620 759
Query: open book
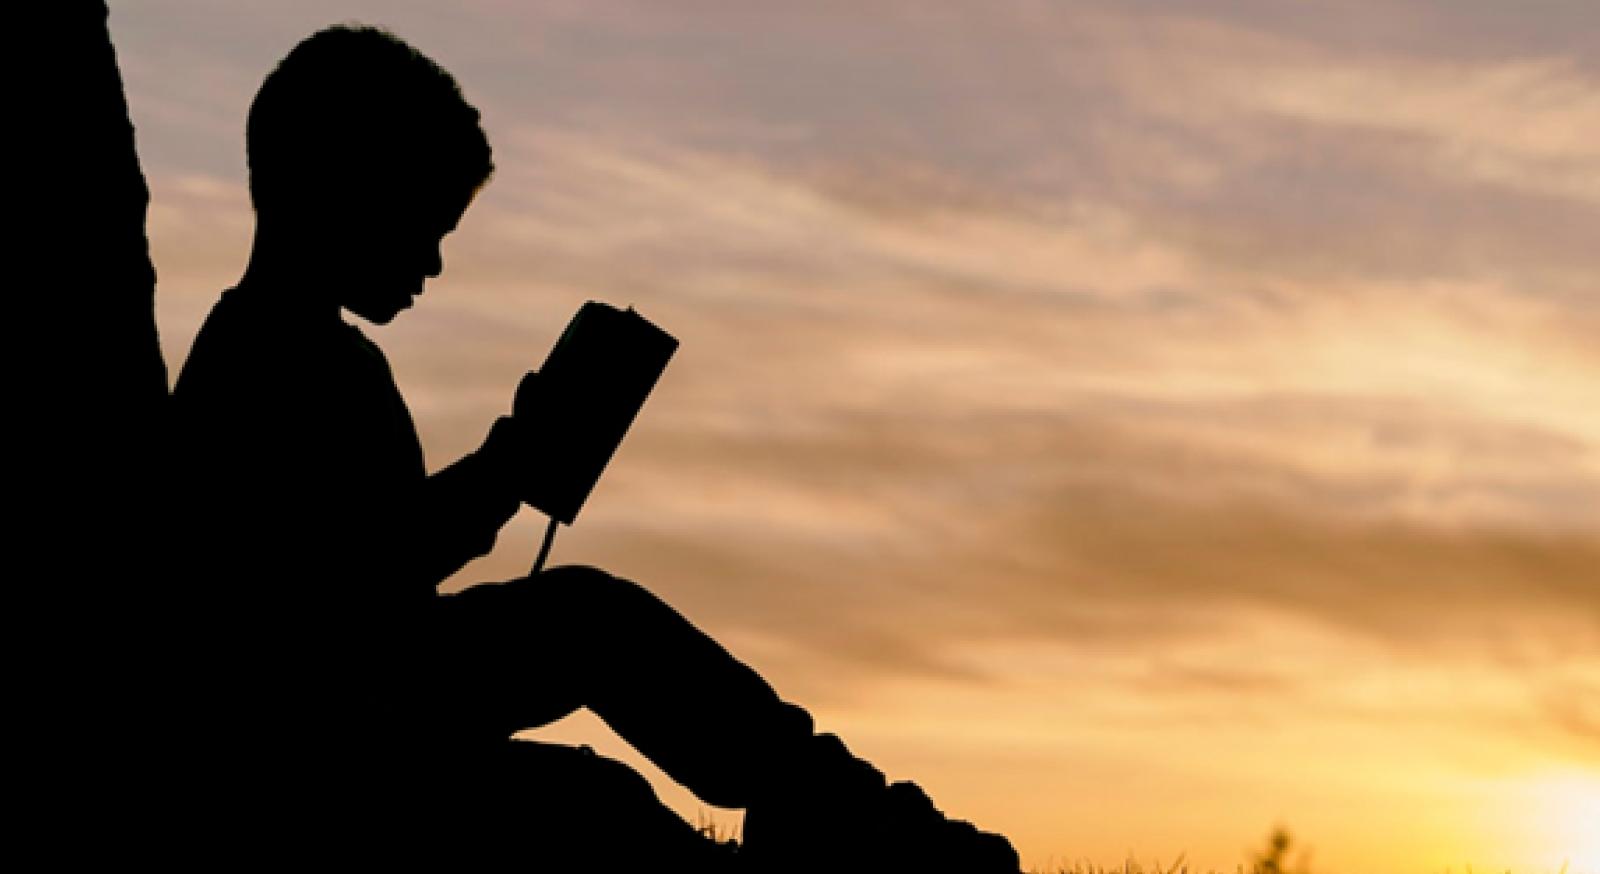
591 387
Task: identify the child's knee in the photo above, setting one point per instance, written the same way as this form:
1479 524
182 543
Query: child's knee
572 575
585 591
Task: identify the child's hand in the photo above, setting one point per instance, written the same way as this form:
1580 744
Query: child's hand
519 445
510 458
506 442
529 400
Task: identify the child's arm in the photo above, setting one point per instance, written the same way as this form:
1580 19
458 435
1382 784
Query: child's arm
467 503
458 511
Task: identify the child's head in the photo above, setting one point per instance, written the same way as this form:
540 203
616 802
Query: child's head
366 153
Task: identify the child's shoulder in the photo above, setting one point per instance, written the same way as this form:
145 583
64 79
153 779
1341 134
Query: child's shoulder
247 344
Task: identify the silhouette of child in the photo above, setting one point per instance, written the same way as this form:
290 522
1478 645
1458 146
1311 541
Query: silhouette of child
324 644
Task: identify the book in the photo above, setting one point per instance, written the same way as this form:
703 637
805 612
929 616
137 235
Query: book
590 389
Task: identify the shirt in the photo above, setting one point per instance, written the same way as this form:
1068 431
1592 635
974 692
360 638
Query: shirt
314 538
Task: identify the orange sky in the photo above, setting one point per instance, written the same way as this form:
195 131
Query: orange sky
1141 423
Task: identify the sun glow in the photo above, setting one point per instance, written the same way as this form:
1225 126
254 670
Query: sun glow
1562 821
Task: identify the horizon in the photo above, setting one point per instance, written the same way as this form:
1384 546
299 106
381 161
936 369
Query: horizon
1142 425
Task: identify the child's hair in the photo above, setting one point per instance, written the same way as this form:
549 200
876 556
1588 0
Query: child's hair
355 109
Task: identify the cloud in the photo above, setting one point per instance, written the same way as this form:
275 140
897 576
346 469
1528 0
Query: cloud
1576 709
1529 125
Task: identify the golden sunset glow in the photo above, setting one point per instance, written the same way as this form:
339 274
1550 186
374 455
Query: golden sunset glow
1143 424
1561 815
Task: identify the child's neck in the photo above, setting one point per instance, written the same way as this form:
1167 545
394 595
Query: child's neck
290 276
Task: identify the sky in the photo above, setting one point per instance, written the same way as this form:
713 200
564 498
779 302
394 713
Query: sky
1143 424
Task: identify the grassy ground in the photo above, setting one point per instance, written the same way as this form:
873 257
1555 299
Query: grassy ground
1273 860
1279 856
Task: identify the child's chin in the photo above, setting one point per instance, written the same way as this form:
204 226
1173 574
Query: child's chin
377 314
381 309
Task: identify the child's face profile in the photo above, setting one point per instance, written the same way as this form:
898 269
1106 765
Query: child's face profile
384 253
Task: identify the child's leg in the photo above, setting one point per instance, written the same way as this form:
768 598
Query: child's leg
526 652
534 649
552 807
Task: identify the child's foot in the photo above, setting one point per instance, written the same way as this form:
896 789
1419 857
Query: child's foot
837 813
